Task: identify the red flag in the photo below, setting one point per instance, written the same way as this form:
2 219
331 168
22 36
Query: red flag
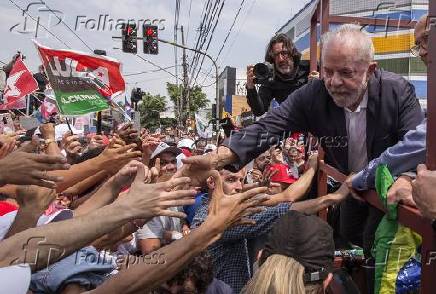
19 84
82 83
17 104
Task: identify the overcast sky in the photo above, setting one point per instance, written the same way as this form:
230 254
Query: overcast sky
257 22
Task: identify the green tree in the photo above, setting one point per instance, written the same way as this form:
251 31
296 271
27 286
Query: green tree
197 100
150 108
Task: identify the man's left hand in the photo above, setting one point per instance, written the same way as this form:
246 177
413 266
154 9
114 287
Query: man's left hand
422 191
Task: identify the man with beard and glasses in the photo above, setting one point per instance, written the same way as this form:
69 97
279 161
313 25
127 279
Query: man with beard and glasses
290 73
356 111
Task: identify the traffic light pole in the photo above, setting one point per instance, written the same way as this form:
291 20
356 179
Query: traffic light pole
218 104
214 64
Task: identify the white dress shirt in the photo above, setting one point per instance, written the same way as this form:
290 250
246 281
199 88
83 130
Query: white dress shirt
356 132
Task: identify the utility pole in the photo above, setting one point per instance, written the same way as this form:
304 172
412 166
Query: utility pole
185 94
218 103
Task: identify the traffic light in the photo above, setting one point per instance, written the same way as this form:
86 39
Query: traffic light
129 37
150 39
136 95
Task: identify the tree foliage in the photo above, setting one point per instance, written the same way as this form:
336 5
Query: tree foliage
197 100
150 108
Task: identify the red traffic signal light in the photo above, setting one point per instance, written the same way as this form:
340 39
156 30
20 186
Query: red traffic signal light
150 39
129 38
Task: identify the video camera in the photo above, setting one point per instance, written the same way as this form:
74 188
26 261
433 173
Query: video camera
263 73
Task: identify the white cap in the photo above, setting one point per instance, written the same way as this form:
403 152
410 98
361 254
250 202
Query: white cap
186 143
60 130
210 147
164 147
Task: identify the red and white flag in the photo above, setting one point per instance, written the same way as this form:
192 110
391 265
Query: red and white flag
19 84
82 83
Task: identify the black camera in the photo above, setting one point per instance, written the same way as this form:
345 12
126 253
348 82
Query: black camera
263 73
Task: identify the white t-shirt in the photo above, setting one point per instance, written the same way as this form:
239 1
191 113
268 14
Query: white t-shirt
156 227
7 220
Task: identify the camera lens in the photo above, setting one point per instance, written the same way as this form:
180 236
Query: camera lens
263 72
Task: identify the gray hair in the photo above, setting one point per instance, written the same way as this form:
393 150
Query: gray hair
351 35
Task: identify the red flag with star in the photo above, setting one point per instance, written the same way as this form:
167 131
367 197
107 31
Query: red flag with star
19 84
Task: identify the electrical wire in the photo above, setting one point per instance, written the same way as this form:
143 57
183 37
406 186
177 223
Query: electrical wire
145 72
210 39
158 66
69 28
205 33
225 39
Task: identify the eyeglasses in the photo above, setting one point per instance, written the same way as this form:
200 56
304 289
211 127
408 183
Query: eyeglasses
284 53
422 44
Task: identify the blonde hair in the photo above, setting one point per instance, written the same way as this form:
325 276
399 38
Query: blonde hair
280 274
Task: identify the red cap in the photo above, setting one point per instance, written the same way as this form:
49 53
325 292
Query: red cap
282 176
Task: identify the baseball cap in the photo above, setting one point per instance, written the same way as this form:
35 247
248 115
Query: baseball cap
210 147
164 147
305 238
186 143
282 176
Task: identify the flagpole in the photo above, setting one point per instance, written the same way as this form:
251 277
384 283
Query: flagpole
68 124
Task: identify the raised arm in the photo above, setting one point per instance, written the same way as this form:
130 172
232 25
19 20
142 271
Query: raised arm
224 211
46 244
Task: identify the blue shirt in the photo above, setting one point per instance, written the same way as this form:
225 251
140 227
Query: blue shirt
230 253
402 157
191 209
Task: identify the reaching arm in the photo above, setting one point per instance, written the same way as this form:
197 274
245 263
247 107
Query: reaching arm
49 243
87 183
294 191
402 157
142 277
292 115
112 158
314 205
33 201
105 195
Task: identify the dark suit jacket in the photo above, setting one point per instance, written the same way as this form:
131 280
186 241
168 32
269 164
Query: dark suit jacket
392 110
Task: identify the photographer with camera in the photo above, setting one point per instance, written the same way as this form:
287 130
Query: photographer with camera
281 74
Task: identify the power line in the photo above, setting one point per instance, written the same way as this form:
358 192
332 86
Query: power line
239 30
70 29
204 34
189 20
210 39
47 30
202 31
149 71
158 66
226 38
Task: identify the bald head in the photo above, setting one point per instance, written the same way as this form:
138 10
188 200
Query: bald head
421 37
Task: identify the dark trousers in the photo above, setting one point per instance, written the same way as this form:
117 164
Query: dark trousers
358 223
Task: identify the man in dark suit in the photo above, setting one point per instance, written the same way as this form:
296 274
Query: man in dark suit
356 111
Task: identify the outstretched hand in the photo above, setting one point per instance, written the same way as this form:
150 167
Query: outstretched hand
227 210
21 168
149 200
